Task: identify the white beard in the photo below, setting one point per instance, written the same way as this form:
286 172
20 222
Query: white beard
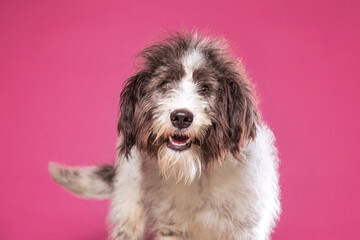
184 165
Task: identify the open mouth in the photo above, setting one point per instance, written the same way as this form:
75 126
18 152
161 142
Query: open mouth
179 142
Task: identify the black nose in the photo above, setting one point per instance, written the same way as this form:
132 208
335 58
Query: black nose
181 118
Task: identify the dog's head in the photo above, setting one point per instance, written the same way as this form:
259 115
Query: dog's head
188 106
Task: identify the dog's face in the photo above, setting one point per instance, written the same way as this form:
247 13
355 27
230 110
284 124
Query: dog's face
187 107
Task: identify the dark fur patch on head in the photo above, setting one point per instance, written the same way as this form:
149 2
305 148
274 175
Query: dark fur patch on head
231 108
159 62
233 111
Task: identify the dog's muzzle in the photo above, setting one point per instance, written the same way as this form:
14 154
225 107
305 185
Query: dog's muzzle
180 119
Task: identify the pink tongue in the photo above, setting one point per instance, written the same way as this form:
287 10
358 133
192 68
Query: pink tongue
179 140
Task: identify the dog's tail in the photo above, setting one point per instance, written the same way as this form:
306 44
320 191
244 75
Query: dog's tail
89 182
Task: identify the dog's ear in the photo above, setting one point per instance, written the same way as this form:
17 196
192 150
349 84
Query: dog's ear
242 113
129 98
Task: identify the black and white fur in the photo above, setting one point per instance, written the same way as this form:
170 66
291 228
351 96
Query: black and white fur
195 160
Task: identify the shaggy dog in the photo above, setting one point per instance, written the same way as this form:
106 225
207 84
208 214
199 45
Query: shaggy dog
195 160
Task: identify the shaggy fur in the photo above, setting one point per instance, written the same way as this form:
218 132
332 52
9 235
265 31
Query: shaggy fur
195 160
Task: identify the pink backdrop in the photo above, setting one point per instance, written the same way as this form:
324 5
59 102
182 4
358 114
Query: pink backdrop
62 65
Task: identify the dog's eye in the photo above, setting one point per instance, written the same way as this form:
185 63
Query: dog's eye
204 90
166 86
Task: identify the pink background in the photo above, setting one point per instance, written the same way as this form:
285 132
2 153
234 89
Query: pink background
62 66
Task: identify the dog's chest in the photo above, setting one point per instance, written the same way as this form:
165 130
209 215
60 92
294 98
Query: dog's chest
217 197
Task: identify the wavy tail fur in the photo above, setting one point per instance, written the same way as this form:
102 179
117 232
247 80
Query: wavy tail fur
89 182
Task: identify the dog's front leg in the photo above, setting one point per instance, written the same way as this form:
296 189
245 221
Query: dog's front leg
127 213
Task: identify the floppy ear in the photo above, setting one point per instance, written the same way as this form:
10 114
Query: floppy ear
129 98
242 113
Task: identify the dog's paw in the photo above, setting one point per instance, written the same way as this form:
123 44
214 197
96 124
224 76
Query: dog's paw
132 227
169 234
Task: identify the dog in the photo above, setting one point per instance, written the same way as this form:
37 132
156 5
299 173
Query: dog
195 159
